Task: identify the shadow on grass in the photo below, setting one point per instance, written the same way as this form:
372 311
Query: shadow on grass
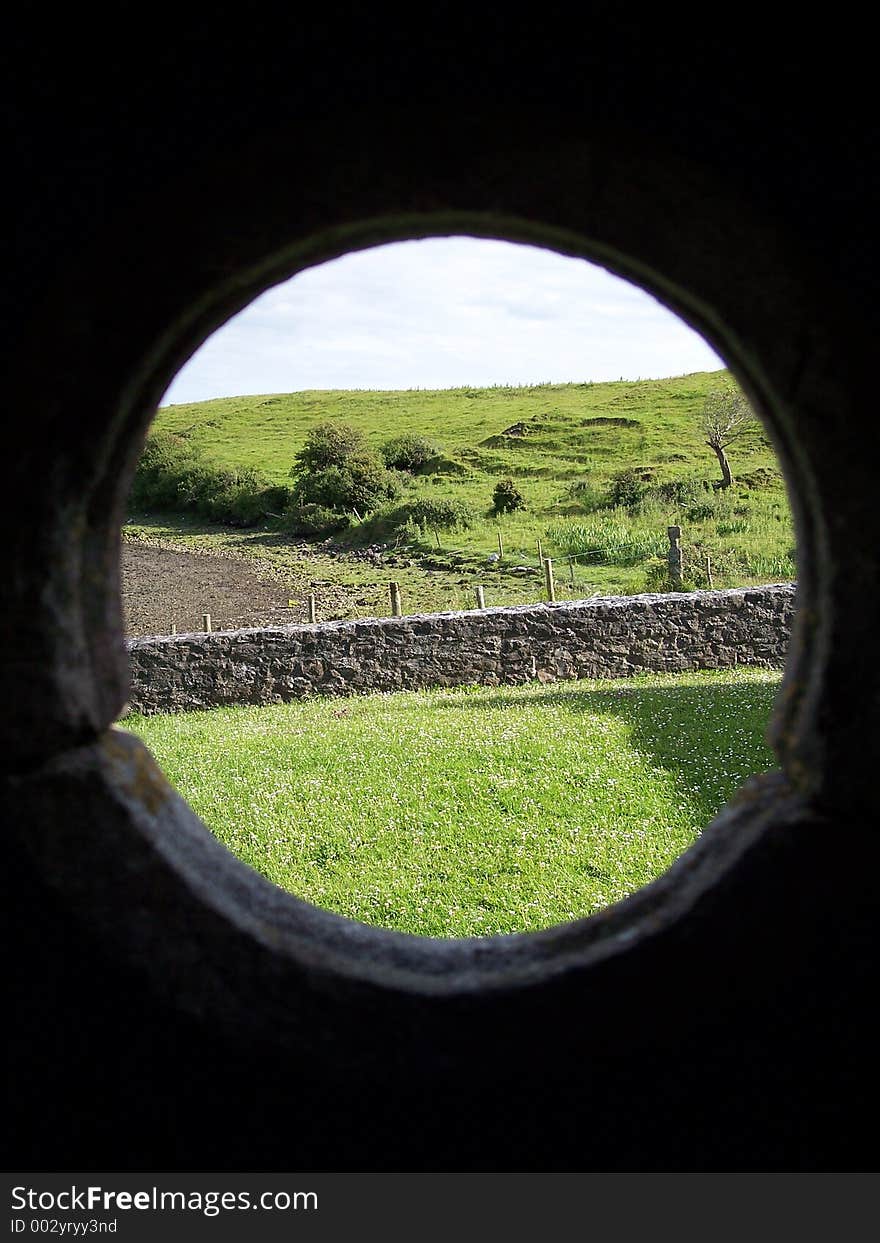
711 733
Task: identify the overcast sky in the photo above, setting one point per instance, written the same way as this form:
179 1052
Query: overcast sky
442 313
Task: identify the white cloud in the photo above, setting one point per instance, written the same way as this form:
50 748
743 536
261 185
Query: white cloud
442 313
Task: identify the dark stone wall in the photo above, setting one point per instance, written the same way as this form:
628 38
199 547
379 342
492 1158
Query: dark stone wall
606 637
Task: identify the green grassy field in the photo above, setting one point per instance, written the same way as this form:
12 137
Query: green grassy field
472 811
561 443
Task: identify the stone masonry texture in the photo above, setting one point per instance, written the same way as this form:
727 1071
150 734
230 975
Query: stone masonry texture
604 637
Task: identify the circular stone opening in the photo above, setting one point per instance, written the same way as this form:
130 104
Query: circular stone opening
510 771
148 876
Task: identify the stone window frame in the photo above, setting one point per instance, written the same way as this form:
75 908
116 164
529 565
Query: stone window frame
216 938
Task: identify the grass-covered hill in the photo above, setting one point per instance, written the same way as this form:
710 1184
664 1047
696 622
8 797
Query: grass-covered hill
602 469
561 432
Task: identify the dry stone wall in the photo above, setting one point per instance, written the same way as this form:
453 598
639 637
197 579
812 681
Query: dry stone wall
614 636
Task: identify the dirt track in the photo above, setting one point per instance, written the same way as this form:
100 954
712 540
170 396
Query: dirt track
161 588
164 587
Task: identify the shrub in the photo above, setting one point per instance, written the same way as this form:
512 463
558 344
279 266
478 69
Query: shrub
166 457
441 513
438 515
172 474
336 470
235 496
308 520
507 497
252 498
276 497
678 492
328 444
408 452
627 488
361 483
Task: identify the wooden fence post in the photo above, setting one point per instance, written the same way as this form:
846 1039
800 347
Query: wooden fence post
709 571
500 545
310 600
395 599
174 628
540 554
206 623
481 598
674 557
571 569
548 579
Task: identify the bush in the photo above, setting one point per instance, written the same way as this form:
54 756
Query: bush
328 444
507 497
166 451
361 483
236 496
336 470
251 498
165 459
309 520
437 515
627 488
277 497
172 474
409 452
677 492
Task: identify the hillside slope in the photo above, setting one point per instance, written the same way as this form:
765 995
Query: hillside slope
562 429
566 446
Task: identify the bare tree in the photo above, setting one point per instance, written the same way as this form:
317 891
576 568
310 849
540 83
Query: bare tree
727 416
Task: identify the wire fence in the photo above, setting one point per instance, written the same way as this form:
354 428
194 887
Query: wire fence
550 569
